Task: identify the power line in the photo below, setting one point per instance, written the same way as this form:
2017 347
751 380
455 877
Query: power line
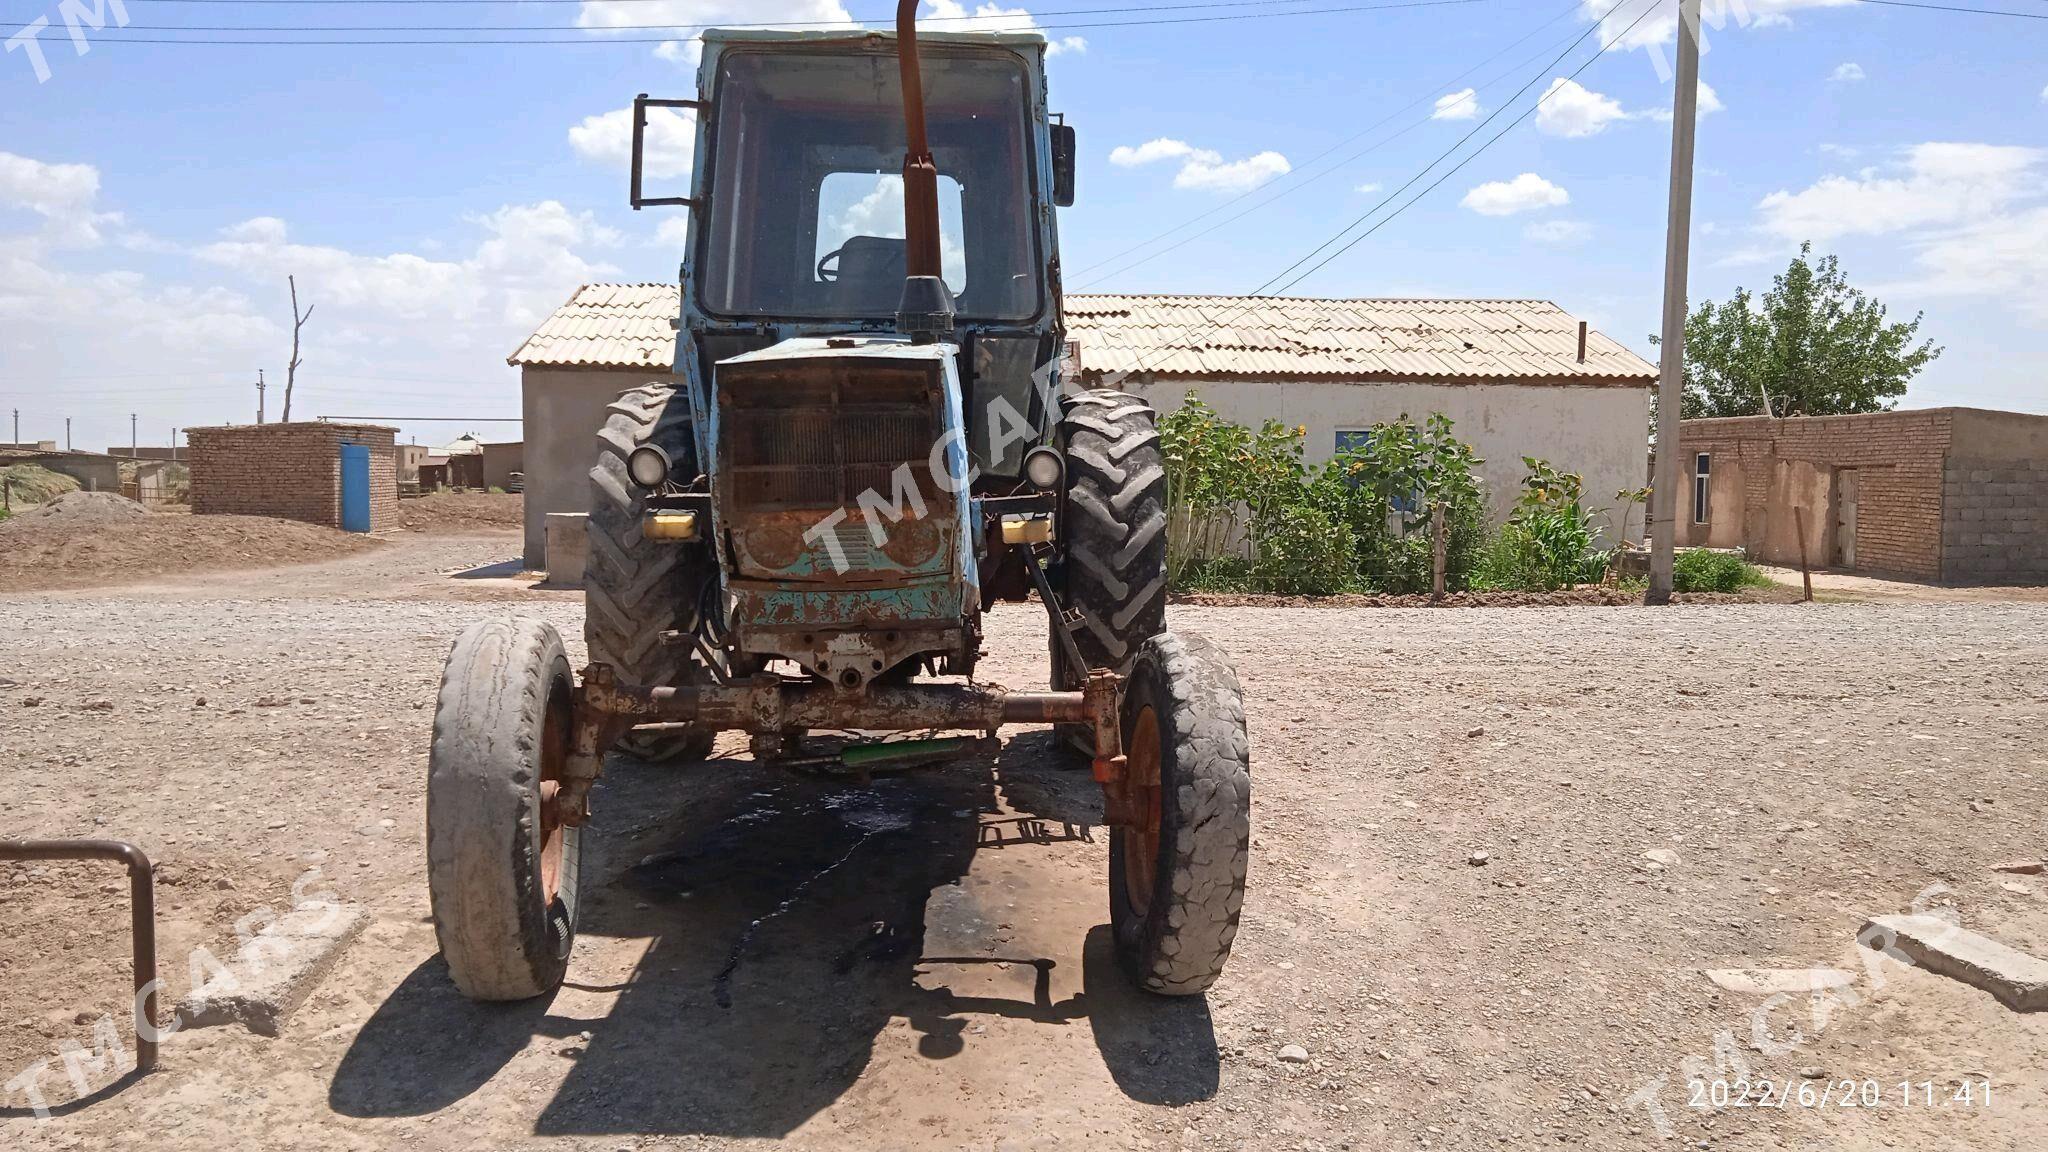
1452 150
1021 21
1310 163
1454 169
1183 341
1957 8
593 35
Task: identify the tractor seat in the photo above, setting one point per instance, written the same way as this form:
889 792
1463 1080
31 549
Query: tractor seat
865 269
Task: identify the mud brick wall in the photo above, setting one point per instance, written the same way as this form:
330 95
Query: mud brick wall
1996 523
1900 462
290 471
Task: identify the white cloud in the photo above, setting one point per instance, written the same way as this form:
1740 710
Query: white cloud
1461 105
1717 16
2004 256
996 18
1709 102
1571 110
198 318
1204 168
670 142
2044 95
64 195
1525 193
623 17
1238 176
1933 185
1973 216
1125 156
1367 189
638 18
529 256
1558 232
47 189
1847 73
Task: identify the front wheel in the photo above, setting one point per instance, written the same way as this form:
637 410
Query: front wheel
1176 878
501 864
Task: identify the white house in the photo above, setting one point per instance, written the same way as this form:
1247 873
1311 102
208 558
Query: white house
1518 377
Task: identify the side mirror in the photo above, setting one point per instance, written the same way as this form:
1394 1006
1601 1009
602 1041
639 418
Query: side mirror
641 104
1063 151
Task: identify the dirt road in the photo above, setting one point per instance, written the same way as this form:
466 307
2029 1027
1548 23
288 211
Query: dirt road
923 964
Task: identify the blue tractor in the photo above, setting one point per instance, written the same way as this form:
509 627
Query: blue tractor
873 447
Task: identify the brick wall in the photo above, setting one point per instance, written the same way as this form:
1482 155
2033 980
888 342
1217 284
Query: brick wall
1898 458
290 471
1996 527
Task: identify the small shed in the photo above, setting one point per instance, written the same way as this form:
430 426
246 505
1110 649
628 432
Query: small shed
340 475
93 471
1943 494
504 465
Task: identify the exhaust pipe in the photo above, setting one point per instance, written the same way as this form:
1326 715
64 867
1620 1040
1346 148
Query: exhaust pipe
926 311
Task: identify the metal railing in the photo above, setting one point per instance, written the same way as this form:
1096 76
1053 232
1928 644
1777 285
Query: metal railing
142 920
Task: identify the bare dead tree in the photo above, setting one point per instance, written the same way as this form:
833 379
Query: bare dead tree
298 321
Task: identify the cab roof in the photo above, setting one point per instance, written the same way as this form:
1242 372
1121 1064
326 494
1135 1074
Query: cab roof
818 36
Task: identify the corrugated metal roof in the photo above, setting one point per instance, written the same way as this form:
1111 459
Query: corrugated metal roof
1265 338
1196 337
607 326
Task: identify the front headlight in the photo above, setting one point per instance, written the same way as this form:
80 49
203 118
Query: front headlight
648 466
1045 468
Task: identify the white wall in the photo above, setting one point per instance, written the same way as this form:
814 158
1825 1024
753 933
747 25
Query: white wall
1599 432
563 409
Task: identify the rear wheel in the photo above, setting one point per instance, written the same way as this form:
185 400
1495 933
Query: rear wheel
1176 878
1114 570
635 589
501 864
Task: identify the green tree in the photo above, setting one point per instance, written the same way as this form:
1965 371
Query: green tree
1818 346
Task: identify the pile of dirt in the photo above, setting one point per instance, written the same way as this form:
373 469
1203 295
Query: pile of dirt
92 543
80 508
33 484
461 513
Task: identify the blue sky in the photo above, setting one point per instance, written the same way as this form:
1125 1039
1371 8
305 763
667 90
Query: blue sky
436 202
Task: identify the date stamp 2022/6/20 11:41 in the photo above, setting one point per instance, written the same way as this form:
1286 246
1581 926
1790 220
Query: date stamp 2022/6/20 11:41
1965 1092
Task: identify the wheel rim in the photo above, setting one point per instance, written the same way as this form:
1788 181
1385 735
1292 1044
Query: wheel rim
1141 840
554 755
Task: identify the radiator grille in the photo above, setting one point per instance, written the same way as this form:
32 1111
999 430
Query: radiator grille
823 455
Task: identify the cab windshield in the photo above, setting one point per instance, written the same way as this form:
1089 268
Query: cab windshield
806 215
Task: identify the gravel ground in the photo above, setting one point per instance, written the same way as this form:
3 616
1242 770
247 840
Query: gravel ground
923 964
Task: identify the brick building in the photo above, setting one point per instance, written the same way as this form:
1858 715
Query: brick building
290 471
1945 494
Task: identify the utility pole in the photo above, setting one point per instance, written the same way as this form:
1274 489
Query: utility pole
17 428
1677 253
67 433
134 445
259 395
174 445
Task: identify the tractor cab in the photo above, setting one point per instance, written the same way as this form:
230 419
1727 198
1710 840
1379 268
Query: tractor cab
797 222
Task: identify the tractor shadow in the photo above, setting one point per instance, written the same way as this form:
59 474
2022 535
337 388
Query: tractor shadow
790 919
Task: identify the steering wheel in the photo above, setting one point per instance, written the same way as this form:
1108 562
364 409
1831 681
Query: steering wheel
829 276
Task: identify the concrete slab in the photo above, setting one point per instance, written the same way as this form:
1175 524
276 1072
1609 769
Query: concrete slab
568 544
1772 981
2018 980
275 971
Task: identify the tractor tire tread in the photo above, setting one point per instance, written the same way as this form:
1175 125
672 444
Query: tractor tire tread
1181 947
636 589
497 936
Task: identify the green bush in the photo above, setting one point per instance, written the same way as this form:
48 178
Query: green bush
1700 570
1304 552
1509 562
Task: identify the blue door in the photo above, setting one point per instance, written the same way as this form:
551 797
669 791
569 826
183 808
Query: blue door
355 488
